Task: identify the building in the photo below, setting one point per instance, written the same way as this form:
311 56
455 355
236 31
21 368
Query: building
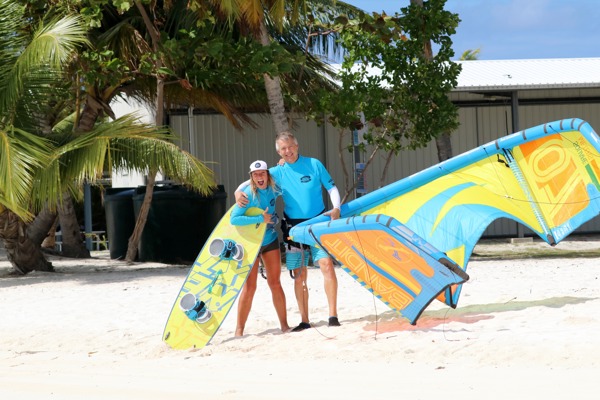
495 98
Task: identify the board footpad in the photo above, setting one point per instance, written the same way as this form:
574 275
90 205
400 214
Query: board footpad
226 249
194 308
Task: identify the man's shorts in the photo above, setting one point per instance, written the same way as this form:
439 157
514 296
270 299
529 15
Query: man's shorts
296 257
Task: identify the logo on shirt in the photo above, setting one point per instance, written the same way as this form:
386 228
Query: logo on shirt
305 179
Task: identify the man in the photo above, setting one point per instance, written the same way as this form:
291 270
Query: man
301 180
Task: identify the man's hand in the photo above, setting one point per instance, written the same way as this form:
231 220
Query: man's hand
334 214
267 216
241 199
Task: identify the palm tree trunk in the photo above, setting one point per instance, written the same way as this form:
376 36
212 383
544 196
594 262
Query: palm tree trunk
24 255
273 89
140 223
40 227
73 243
37 231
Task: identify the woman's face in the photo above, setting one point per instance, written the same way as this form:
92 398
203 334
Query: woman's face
260 178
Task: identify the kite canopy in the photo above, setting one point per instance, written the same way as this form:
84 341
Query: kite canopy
546 178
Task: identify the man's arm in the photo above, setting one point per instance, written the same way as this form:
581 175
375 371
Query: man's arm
241 198
334 196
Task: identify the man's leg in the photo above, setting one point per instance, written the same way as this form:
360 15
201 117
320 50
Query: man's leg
296 261
331 287
301 291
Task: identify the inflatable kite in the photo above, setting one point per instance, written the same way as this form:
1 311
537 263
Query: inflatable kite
410 242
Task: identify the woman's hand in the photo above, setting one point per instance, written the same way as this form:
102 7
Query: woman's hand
267 216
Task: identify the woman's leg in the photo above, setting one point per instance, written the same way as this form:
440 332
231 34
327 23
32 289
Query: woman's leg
245 300
272 262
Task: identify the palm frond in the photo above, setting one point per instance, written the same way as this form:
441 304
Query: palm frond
124 144
49 48
21 155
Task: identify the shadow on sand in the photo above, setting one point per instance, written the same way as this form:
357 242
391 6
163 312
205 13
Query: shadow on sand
391 322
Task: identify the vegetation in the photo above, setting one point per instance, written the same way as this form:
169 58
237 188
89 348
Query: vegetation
46 158
65 61
390 77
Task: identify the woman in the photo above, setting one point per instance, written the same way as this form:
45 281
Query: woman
262 193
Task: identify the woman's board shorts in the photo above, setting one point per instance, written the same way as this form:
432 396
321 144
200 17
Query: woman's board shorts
268 247
296 257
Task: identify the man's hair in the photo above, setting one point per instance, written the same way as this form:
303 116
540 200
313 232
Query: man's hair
285 136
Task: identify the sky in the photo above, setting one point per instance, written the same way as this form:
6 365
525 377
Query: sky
517 29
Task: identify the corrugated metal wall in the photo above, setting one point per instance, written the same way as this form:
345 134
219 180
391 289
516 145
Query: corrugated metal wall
229 152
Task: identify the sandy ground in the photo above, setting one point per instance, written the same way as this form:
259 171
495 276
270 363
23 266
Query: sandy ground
523 329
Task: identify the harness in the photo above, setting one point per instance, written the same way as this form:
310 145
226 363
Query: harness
287 224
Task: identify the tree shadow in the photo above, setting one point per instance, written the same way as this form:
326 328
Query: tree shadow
89 273
390 321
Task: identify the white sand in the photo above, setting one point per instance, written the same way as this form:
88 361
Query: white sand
523 329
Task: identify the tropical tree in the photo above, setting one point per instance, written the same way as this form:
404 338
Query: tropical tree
30 59
36 170
265 20
200 63
389 75
178 46
442 138
120 61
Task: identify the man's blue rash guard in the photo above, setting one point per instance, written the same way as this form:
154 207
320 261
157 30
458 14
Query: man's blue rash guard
264 198
300 183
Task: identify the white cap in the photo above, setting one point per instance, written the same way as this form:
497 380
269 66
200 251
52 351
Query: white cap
258 165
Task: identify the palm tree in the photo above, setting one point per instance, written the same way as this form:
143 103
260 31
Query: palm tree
36 171
264 19
29 63
442 140
132 37
129 38
122 44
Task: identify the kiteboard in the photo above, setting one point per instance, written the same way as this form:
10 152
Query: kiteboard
213 283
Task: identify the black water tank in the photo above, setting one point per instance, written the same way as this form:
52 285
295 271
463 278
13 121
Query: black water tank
179 222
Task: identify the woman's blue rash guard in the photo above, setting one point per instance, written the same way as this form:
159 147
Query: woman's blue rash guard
264 198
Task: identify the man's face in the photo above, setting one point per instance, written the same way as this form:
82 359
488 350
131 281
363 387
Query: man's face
260 178
288 150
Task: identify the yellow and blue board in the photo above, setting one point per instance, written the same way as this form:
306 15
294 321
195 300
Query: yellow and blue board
213 283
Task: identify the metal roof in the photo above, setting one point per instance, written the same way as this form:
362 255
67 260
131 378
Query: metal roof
552 73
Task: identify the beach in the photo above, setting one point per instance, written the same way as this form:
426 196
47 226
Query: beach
524 328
